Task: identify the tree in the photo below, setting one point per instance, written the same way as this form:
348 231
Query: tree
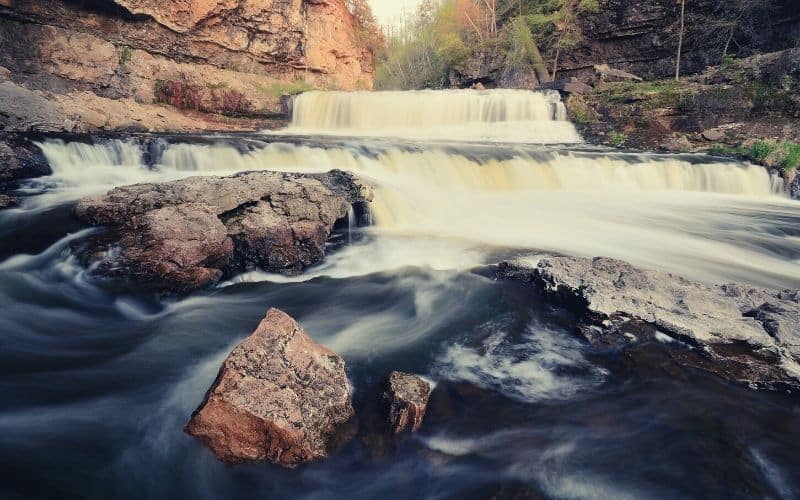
680 40
556 25
368 31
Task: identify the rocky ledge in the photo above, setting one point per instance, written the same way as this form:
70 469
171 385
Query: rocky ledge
742 333
183 235
279 396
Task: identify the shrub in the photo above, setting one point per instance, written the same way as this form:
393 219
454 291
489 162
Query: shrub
617 139
177 93
125 55
784 155
235 103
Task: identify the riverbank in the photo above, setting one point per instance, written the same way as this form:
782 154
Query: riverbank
746 109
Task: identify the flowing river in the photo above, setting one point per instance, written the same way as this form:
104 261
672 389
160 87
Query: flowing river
97 385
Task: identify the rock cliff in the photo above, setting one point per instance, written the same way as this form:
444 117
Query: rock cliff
640 36
103 64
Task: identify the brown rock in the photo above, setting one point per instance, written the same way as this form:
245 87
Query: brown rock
179 248
186 234
408 396
279 396
677 144
713 134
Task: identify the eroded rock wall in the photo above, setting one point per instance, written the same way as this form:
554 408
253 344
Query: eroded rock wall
230 57
641 36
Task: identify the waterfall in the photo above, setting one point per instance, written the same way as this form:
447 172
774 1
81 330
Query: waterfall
461 115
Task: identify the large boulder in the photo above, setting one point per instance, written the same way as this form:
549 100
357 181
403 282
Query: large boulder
751 335
183 235
279 396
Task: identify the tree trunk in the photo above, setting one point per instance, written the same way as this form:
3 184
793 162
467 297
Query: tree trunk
727 46
680 41
539 66
555 64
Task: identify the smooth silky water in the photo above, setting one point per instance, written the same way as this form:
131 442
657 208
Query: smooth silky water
97 385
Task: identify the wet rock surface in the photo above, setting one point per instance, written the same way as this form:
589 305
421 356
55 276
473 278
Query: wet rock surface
182 235
20 159
7 201
408 397
279 397
746 334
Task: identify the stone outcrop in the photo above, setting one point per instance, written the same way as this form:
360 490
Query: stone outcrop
278 397
640 37
20 159
408 397
724 110
103 63
182 235
746 334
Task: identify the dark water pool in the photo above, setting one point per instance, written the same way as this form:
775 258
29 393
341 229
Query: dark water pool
96 387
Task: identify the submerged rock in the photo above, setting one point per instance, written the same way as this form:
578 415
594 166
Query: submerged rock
7 201
279 396
183 235
751 335
408 397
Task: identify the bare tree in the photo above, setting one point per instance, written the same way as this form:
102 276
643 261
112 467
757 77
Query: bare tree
680 41
491 12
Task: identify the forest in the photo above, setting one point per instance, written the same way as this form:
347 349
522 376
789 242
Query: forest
534 36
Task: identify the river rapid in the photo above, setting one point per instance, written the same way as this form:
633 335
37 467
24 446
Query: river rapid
97 384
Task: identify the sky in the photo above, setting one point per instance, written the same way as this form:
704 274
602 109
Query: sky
388 10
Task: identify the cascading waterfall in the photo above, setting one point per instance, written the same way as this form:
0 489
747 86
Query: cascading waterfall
98 382
459 115
664 211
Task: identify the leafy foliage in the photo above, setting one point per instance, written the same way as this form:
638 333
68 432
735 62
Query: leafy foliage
785 155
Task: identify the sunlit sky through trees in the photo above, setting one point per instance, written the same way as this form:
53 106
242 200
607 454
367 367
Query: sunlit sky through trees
387 11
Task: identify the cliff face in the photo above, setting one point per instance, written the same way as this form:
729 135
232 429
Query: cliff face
233 57
641 36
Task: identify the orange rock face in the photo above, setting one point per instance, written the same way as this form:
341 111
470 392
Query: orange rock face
235 57
279 396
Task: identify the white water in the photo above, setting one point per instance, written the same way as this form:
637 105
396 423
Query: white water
710 221
457 205
461 115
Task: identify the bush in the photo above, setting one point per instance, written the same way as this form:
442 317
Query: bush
784 155
207 98
177 93
125 55
234 103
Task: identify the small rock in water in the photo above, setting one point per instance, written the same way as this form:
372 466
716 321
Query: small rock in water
279 396
408 396
7 201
